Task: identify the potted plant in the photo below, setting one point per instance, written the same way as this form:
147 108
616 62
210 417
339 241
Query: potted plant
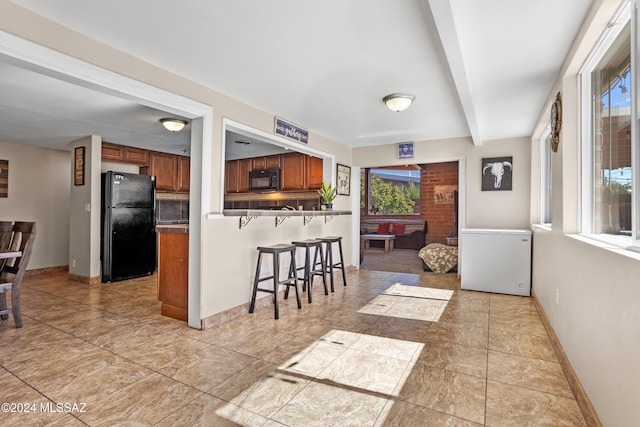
327 194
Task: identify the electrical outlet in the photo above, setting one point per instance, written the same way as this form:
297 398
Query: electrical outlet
557 297
73 263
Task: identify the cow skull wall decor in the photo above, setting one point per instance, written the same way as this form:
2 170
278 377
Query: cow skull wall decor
497 173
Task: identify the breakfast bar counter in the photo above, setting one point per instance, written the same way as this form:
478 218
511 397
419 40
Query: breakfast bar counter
246 215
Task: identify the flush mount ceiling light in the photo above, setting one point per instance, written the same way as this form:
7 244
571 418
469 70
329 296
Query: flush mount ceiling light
398 101
173 125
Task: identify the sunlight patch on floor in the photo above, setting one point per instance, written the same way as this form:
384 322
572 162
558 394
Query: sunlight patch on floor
343 374
410 302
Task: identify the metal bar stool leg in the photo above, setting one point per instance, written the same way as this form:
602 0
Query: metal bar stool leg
293 275
344 276
256 280
323 267
329 260
276 274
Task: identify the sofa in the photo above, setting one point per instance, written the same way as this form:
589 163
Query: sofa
409 233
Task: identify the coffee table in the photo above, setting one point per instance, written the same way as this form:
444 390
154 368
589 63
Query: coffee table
386 238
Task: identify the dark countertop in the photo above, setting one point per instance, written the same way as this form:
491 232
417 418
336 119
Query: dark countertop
172 228
282 213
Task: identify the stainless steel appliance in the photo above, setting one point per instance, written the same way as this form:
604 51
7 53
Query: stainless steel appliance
128 226
264 179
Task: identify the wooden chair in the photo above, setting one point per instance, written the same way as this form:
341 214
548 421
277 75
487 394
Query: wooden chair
6 231
23 237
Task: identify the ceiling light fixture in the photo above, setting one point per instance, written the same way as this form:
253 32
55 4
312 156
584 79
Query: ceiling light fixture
173 125
398 101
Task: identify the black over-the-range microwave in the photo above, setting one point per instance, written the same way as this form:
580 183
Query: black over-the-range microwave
264 179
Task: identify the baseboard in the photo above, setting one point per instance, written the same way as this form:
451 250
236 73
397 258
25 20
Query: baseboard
85 279
588 411
232 313
46 270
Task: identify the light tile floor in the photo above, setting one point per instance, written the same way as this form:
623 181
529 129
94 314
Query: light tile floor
101 355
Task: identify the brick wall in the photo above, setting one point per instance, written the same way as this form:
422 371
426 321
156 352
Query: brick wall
438 210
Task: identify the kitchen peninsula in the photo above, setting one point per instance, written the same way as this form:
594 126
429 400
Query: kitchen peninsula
173 269
246 215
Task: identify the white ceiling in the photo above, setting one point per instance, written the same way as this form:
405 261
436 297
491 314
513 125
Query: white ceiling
477 68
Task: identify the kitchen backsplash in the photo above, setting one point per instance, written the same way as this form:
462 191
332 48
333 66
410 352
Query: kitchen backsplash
172 209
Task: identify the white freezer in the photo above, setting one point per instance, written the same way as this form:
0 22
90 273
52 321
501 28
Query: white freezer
496 261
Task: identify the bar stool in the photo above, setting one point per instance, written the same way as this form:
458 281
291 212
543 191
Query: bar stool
329 241
291 279
312 270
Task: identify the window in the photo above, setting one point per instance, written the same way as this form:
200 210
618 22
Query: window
391 191
545 176
608 164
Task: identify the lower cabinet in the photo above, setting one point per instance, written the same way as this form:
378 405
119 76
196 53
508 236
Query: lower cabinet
173 274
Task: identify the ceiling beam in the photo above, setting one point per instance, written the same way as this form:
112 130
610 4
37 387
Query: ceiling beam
445 25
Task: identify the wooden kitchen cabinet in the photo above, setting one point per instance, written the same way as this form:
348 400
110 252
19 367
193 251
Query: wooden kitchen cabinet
121 153
301 172
265 162
135 155
272 161
172 172
173 274
293 170
112 152
258 163
184 173
298 172
165 167
313 173
237 175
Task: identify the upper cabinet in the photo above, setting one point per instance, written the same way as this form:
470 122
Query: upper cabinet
172 172
165 168
237 175
265 162
120 153
135 155
298 172
112 152
313 172
184 173
293 170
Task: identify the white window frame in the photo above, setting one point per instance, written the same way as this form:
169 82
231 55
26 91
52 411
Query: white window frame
545 180
622 17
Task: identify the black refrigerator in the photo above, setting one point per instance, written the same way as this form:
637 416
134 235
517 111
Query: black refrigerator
128 226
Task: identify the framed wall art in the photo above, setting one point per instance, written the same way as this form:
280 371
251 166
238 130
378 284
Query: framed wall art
497 174
4 178
405 150
343 179
78 166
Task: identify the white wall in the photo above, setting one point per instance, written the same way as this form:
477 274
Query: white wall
589 291
499 209
39 181
484 209
232 256
84 233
